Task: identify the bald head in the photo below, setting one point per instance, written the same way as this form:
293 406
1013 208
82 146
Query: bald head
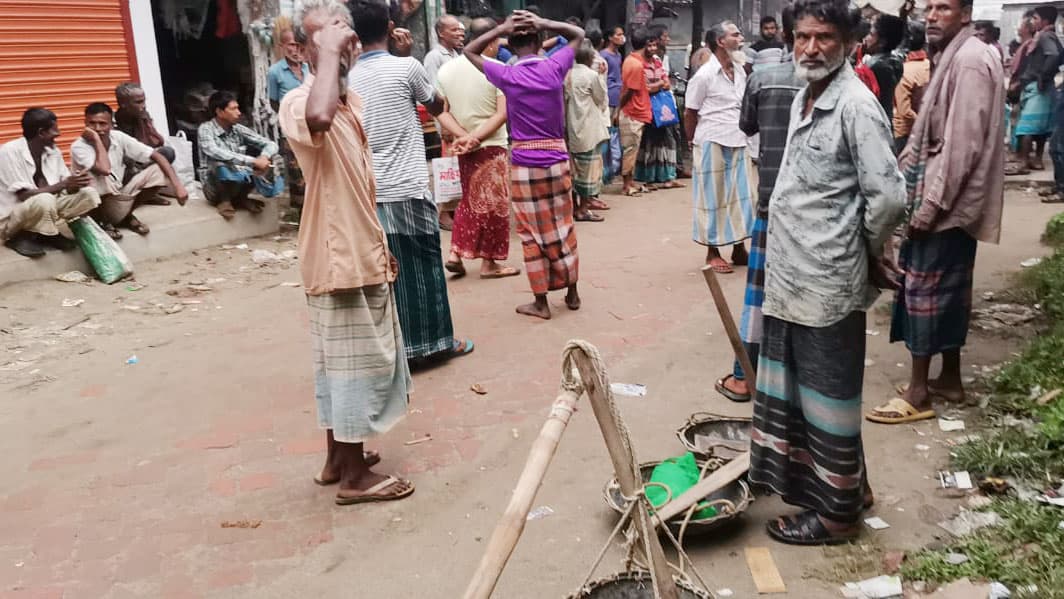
451 32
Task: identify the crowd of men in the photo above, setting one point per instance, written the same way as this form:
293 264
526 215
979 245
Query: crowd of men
856 156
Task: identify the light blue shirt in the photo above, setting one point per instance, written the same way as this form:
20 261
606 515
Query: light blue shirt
280 80
838 197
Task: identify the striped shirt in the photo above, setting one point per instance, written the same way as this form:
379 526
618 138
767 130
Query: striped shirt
390 88
767 110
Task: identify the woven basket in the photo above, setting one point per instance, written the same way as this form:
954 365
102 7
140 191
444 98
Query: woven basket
733 500
713 435
632 585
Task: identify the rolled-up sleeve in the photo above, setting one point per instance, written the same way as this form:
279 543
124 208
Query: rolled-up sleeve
882 186
267 147
292 116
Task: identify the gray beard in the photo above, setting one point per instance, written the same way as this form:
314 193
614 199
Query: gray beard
819 73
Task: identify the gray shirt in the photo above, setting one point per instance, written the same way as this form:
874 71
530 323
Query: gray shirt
837 199
435 59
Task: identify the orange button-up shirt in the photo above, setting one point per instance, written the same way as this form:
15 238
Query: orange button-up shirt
341 242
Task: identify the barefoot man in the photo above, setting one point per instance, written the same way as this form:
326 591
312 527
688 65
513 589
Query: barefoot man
953 164
361 378
540 183
837 199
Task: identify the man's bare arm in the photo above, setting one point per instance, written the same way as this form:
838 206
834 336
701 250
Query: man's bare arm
323 101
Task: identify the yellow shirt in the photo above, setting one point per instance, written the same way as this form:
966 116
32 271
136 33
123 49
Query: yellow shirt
341 242
471 99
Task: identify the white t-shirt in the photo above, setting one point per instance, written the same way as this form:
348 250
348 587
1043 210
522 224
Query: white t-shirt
718 102
123 146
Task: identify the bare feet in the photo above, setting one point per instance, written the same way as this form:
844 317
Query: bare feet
535 309
226 209
737 386
739 257
330 473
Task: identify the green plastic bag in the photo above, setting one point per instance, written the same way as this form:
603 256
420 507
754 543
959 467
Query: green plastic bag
679 475
107 259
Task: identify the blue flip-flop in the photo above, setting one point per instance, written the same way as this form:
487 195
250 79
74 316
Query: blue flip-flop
468 349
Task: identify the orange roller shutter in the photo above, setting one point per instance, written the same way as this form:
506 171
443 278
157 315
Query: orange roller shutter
62 55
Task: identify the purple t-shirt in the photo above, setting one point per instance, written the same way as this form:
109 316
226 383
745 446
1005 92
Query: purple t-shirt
535 102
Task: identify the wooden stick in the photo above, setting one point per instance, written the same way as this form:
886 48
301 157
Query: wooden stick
720 478
622 459
728 322
508 530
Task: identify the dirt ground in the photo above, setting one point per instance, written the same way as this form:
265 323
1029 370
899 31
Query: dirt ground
118 476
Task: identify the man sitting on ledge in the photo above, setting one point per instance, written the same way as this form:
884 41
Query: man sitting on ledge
228 168
37 191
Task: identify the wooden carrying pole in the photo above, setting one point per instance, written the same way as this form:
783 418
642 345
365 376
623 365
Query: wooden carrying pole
728 322
508 530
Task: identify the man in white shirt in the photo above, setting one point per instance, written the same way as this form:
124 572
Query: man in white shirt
37 191
724 178
103 151
450 34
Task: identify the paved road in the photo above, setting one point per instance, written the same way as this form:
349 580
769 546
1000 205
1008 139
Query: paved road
117 477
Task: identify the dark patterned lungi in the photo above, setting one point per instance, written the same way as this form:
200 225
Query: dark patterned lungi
806 439
482 220
543 211
413 230
934 305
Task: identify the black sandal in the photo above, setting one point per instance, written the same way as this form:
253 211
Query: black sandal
728 393
805 529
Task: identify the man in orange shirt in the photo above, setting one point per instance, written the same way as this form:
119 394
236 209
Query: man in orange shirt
361 377
635 102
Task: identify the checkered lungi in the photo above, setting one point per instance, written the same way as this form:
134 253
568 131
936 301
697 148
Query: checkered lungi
587 172
934 305
361 378
725 186
543 213
750 326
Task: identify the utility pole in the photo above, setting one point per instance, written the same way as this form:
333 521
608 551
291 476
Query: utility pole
696 26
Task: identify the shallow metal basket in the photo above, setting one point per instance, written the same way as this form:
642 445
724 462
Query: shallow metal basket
632 585
714 435
730 501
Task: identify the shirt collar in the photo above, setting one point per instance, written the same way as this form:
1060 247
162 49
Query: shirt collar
830 98
372 54
23 146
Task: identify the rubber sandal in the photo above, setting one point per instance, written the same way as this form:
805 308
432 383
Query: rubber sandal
374 493
588 217
111 231
456 353
673 185
1056 198
506 271
455 267
138 227
1016 171
632 193
887 413
728 393
372 459
722 267
805 529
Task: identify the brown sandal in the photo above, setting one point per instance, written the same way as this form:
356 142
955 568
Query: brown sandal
377 492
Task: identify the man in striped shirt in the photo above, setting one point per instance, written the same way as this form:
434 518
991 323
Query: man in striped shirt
390 86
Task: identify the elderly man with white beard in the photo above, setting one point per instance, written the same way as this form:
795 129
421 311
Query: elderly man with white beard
837 199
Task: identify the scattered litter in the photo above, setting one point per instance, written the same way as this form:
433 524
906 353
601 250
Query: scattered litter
135 286
539 513
956 559
994 486
955 480
1002 316
979 501
968 380
19 564
72 303
239 246
725 592
289 284
1028 263
264 257
74 276
174 309
192 287
900 365
871 333
988 295
242 524
892 561
1057 501
215 280
290 254
130 307
191 302
516 434
1050 396
77 322
478 389
868 363
629 389
922 447
419 440
763 570
999 591
965 523
880 587
948 425
279 238
131 360
876 523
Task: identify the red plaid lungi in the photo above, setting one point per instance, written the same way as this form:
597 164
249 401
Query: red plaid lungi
543 211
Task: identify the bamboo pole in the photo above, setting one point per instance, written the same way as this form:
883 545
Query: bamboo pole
728 322
508 530
629 481
718 479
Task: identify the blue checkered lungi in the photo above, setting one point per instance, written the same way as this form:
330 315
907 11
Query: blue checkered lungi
750 326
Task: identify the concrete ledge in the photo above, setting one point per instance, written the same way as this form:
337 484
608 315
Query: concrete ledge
174 230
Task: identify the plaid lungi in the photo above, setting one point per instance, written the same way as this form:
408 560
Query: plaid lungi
361 379
543 213
725 185
750 326
1036 111
413 230
806 437
934 305
587 172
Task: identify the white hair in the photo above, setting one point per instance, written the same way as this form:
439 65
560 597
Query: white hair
329 7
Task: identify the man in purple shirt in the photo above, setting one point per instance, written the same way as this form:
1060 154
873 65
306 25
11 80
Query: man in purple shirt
540 184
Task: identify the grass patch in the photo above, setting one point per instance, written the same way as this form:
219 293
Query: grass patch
1054 235
1013 452
1027 548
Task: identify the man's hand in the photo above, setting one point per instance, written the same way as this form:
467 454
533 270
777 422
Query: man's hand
181 193
526 21
465 145
334 37
393 265
402 41
77 181
261 164
883 273
90 135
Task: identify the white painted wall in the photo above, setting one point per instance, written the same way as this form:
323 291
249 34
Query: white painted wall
148 62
